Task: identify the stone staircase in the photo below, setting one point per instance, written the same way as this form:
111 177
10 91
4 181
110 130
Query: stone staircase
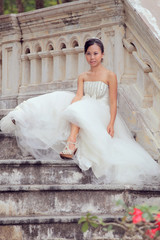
44 199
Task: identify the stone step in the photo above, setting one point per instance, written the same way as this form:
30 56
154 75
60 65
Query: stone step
19 200
9 148
31 171
4 112
50 228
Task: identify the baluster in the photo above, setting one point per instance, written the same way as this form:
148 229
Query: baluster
35 68
47 66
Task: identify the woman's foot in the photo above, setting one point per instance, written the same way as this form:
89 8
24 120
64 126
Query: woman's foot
69 150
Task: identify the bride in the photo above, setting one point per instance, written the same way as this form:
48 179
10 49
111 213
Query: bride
85 123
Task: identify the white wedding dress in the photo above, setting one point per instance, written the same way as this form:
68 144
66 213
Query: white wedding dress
43 126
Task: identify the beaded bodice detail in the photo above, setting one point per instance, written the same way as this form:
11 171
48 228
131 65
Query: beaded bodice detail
96 89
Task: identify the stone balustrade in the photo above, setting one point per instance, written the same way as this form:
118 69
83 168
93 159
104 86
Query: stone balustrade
42 51
139 88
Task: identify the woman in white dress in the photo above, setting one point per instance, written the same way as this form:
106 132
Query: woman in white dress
87 123
94 52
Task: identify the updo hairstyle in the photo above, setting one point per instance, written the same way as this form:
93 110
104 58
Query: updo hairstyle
93 41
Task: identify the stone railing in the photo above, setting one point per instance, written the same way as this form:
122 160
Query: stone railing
42 51
139 93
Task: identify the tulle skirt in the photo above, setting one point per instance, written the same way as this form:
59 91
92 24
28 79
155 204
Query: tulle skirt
43 126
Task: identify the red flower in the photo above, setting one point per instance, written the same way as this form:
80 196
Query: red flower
137 216
151 232
158 216
158 220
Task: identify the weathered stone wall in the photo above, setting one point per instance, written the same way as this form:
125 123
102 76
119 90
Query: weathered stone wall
42 51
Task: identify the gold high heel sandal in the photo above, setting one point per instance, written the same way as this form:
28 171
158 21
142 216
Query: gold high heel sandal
68 153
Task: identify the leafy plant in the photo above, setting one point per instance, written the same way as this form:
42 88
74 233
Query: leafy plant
140 222
15 6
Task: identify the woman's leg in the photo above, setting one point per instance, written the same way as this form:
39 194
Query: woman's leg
73 136
74 130
70 147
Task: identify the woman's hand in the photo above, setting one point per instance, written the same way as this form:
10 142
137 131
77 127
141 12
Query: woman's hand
110 129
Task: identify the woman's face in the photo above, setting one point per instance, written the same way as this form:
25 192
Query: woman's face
94 55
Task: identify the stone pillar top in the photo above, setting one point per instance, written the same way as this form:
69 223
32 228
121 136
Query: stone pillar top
68 50
45 54
79 49
56 52
24 57
9 29
33 56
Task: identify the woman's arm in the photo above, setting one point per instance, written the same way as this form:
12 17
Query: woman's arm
113 103
79 93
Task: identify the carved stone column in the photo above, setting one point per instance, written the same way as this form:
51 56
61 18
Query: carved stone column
118 52
47 66
36 69
59 65
130 65
81 60
10 69
109 50
143 81
25 70
71 63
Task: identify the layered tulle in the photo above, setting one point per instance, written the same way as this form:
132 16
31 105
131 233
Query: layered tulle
113 160
40 126
43 126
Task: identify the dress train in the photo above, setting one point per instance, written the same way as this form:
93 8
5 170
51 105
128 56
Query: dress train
43 126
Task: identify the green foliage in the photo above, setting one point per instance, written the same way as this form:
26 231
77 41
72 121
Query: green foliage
11 7
142 221
148 211
48 3
88 221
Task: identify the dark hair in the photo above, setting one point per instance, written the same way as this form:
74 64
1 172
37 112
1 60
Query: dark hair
93 41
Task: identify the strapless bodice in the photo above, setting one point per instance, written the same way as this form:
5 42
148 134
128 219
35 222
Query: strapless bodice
96 89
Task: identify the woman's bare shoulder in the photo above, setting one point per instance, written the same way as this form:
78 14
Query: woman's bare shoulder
111 76
82 76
